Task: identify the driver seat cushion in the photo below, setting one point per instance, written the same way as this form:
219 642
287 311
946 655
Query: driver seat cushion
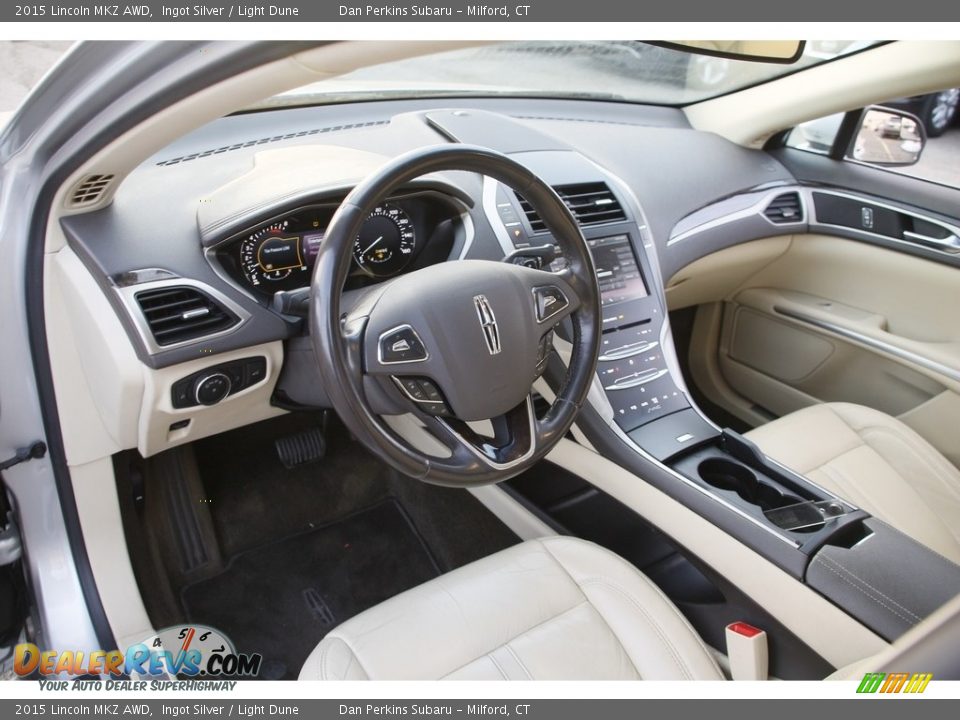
875 462
549 609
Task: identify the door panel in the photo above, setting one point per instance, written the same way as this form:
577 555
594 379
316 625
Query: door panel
910 299
850 311
833 319
819 365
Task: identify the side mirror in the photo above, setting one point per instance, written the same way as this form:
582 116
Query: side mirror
887 137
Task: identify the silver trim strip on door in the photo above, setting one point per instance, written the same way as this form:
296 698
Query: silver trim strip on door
948 251
872 342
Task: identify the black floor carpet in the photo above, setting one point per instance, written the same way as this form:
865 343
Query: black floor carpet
254 499
280 599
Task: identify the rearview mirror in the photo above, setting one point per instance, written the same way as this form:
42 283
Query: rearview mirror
888 137
771 51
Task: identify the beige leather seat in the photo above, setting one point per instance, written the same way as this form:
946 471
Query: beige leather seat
551 609
877 463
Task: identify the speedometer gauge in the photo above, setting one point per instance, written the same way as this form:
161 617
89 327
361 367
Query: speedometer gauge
386 241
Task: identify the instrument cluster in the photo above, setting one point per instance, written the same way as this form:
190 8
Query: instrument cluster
400 234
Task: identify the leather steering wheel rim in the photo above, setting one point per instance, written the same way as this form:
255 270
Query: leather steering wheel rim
339 339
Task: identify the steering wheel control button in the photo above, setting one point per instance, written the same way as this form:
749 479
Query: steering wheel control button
543 352
425 393
550 301
431 391
412 389
401 345
211 389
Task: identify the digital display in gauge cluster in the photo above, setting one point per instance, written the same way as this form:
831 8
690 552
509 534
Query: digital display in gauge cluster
280 255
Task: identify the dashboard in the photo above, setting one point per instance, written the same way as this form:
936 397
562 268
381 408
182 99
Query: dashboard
208 248
402 234
222 221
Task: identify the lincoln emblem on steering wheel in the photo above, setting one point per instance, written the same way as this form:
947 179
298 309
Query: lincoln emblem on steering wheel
488 322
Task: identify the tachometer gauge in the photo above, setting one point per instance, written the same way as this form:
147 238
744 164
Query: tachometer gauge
386 241
271 254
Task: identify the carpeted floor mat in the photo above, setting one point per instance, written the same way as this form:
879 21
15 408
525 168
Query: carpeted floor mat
280 599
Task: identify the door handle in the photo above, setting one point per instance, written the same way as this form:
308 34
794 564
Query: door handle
950 244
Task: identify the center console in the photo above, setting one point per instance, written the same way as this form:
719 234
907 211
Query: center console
640 416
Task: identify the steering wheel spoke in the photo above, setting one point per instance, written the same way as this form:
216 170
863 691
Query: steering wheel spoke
515 439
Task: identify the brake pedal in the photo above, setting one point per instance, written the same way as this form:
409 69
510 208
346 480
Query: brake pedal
301 448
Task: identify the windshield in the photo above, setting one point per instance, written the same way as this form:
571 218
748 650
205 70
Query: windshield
628 71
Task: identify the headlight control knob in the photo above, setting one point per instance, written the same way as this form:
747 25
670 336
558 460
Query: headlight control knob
211 389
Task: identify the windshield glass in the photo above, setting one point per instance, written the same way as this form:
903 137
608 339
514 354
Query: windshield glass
628 71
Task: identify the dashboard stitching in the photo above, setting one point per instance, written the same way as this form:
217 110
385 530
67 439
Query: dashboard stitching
264 141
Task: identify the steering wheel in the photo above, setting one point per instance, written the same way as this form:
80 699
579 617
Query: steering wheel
455 342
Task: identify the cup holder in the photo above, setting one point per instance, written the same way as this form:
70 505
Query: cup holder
727 475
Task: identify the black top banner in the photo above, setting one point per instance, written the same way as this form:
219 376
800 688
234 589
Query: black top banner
459 11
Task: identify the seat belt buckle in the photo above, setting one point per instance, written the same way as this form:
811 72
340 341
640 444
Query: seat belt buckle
747 651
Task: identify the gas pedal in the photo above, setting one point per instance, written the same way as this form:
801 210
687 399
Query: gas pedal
301 448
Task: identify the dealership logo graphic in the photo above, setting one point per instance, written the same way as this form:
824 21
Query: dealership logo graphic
190 651
895 683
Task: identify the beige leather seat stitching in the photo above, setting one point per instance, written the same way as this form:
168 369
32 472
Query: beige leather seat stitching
325 652
506 648
684 670
875 462
550 609
939 471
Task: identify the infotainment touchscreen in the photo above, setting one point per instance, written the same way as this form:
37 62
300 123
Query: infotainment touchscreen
617 271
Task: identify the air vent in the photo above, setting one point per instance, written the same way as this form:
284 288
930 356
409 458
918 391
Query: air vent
89 190
178 314
590 203
785 209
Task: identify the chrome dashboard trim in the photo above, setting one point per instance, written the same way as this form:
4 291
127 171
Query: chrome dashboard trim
489 203
754 210
469 232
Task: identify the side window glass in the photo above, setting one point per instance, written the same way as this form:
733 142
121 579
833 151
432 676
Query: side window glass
885 141
816 135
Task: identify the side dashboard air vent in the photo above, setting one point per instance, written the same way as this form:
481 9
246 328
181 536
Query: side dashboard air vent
88 191
590 203
784 209
177 314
